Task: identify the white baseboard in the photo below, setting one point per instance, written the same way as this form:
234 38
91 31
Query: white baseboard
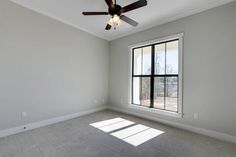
35 125
210 133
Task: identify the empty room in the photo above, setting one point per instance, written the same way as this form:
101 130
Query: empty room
117 78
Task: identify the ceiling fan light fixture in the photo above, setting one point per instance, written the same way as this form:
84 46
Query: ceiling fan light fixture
115 21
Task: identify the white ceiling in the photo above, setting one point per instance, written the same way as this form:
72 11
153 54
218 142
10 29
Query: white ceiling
155 13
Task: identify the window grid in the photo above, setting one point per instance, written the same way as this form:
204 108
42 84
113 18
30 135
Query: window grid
152 76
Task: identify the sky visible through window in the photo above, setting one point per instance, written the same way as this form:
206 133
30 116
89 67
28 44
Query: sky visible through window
143 62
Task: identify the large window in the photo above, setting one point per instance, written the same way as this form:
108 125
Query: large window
156 75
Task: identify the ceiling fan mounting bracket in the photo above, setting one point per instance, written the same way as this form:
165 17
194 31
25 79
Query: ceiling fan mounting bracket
115 11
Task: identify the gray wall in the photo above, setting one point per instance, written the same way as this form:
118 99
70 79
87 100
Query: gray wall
209 68
47 69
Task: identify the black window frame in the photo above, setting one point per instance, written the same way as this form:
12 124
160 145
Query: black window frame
152 76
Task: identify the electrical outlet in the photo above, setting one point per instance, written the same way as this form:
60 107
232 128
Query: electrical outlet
24 114
195 116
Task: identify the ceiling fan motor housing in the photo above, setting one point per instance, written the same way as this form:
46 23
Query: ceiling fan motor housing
115 11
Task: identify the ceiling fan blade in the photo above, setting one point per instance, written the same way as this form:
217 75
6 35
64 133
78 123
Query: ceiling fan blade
108 27
95 13
110 3
129 20
133 6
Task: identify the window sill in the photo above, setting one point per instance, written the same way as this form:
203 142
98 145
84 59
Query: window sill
153 110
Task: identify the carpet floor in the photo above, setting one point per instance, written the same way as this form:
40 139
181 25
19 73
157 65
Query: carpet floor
126 136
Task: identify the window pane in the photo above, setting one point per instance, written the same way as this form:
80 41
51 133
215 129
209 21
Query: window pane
145 96
136 90
160 59
171 94
137 61
146 60
165 85
159 86
172 57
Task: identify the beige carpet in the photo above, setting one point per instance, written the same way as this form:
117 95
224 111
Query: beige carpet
77 138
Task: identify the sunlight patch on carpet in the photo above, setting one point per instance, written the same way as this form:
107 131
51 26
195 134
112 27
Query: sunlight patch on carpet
127 131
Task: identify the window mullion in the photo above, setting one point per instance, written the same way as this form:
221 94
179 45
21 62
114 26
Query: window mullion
165 81
141 90
142 61
132 93
152 76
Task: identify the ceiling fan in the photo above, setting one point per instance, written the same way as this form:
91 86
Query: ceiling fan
116 12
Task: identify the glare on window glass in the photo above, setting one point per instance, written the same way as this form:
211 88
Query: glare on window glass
172 57
159 90
137 61
171 94
160 59
146 64
145 96
136 90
